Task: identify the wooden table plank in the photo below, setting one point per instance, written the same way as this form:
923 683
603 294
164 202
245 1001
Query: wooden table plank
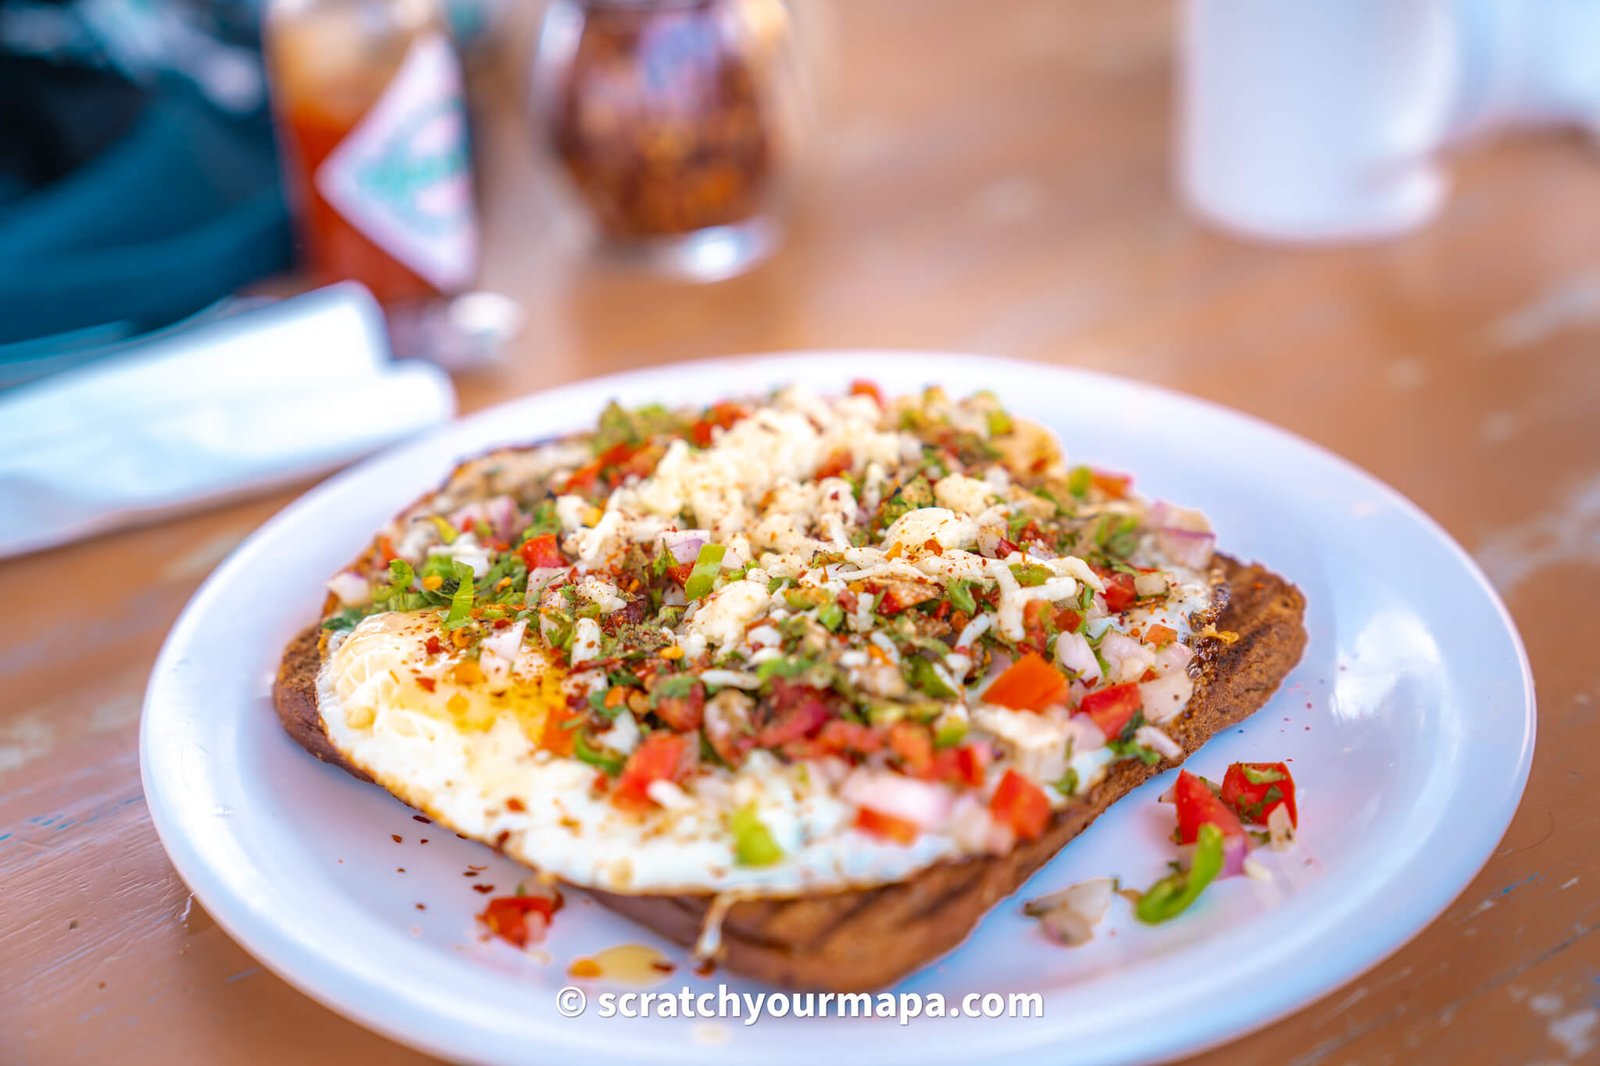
990 179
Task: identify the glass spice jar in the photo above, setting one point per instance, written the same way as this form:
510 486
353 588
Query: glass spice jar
672 124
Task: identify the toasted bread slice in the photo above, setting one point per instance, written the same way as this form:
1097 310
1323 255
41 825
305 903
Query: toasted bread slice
866 938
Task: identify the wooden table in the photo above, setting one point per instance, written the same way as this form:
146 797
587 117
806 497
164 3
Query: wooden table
992 178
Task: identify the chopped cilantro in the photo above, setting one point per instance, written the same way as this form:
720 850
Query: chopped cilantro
605 760
1029 575
1079 479
348 618
460 612
961 597
707 565
1261 776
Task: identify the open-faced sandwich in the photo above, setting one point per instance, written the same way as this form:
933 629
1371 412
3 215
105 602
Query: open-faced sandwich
808 681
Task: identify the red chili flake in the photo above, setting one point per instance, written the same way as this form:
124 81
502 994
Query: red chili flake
422 906
396 838
399 869
662 965
435 646
422 818
428 684
705 969
470 873
485 889
500 841
424 840
514 804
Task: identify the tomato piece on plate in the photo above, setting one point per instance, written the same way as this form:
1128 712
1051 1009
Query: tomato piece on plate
886 826
1197 806
661 757
520 920
1029 684
1113 708
1255 789
542 552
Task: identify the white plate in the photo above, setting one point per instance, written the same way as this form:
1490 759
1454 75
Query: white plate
1410 724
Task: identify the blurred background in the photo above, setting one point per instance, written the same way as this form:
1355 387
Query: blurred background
522 192
243 242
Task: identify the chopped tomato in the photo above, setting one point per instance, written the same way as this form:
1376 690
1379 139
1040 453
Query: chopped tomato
720 416
1029 684
661 757
912 744
1068 620
583 479
1255 789
542 552
1034 617
682 713
886 826
1021 805
960 766
559 736
839 737
1113 485
1113 708
520 920
797 711
386 549
1120 592
835 464
1197 806
863 387
1159 636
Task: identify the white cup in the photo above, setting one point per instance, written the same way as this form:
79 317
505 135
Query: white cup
1323 121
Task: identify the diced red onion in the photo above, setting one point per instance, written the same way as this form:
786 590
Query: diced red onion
925 804
503 517
1158 741
1164 515
1234 851
1186 547
685 544
1073 653
469 516
1066 926
498 651
351 588
1119 649
1173 659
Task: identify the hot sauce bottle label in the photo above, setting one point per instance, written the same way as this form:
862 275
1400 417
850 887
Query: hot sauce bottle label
403 176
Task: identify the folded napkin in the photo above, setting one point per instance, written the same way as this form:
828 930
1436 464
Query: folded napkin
233 406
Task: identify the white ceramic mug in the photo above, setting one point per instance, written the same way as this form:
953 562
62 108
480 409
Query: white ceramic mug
1322 121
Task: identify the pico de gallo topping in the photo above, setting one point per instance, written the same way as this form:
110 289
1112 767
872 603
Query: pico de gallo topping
914 603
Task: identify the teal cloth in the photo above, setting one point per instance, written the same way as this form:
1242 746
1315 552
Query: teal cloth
182 210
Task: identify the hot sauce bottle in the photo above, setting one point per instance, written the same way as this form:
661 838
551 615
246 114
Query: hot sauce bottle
369 104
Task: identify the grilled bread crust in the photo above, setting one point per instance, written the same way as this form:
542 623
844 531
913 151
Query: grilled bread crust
859 939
